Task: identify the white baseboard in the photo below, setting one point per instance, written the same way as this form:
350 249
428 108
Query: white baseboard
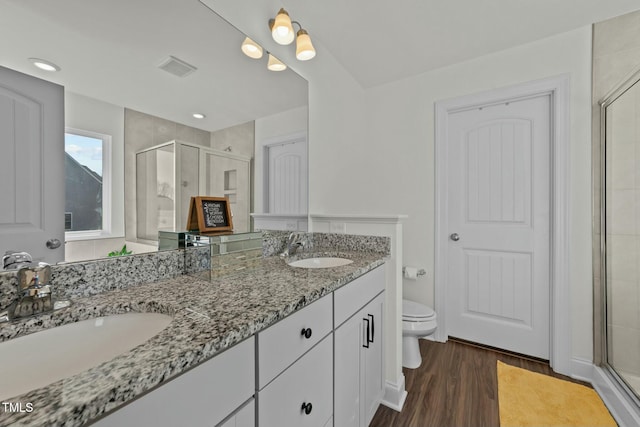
395 394
582 369
625 412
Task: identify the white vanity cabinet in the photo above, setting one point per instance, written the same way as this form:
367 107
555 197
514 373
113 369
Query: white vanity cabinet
244 417
302 395
295 369
286 341
359 350
322 366
203 396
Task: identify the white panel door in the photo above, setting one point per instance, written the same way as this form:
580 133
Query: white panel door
499 212
288 178
31 165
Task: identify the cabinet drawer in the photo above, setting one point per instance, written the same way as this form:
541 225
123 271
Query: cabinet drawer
283 343
203 396
308 381
354 295
245 417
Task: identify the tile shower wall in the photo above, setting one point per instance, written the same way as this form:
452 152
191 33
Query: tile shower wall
241 139
616 54
143 131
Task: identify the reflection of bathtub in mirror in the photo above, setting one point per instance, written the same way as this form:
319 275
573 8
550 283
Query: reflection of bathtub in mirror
168 175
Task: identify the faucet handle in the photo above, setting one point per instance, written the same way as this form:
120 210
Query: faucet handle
13 260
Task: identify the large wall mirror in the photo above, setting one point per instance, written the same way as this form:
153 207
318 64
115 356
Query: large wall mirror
620 232
135 73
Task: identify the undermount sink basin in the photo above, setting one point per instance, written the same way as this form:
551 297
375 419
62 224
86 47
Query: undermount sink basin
41 358
320 262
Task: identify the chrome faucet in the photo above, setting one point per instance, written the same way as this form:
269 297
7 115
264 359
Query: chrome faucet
13 260
295 241
34 289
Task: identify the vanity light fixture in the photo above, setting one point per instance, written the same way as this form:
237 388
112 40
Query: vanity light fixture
199 115
254 50
282 32
251 48
44 64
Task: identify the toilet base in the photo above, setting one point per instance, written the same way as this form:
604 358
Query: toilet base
411 357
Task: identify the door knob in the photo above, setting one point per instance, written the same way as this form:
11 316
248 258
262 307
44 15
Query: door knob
53 243
454 236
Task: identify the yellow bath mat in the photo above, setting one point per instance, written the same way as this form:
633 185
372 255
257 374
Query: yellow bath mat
530 399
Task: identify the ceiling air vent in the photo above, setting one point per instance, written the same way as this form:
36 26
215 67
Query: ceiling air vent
177 67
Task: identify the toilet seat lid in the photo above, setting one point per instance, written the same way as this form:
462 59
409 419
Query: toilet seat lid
415 311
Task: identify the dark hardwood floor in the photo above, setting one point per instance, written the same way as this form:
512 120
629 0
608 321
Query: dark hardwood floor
455 386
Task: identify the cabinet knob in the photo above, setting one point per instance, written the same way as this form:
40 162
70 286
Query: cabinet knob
306 407
306 332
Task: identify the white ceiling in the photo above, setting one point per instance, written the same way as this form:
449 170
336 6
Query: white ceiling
110 50
380 41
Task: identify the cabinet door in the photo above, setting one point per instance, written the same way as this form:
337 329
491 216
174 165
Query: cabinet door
348 342
307 384
359 368
373 367
245 417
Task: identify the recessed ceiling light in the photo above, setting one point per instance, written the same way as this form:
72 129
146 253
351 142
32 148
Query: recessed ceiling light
199 115
44 64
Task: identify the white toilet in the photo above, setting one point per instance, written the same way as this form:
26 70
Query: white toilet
417 321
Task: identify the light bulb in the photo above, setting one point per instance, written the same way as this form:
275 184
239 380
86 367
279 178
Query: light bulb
282 30
304 48
44 64
251 49
275 64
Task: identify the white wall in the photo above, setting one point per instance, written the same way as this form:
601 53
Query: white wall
372 152
400 155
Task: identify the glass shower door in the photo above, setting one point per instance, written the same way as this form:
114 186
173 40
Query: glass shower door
227 176
622 235
155 191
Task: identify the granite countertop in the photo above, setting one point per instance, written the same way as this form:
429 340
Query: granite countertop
210 314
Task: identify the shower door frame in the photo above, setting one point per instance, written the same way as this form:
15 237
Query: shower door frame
625 404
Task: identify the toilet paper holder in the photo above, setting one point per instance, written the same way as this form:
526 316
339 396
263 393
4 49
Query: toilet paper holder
420 272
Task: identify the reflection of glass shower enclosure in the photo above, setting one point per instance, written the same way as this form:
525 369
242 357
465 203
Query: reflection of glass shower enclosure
167 175
620 234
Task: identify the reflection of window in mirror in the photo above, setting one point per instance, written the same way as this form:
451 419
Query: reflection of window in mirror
87 181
